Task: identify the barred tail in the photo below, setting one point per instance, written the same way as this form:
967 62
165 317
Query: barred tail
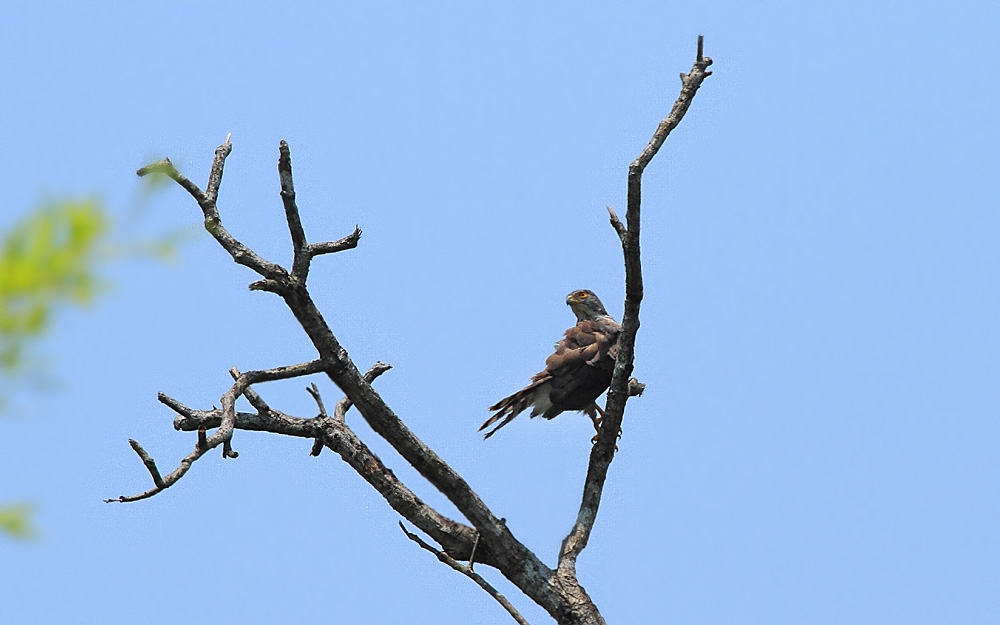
509 407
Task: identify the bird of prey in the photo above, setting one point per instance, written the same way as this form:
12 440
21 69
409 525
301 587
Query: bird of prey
575 375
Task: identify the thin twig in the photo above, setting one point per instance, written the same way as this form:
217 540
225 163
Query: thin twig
617 224
318 445
472 556
330 247
173 404
314 391
255 400
468 572
300 248
167 168
340 410
215 175
274 286
148 461
168 481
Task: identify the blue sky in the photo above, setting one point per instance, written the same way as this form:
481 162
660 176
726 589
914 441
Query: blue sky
818 439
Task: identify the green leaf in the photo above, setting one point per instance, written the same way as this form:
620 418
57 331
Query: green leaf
15 520
47 259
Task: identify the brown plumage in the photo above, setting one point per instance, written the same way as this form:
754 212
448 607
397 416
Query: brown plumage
575 375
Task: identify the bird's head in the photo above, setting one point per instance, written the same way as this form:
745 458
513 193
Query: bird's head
585 305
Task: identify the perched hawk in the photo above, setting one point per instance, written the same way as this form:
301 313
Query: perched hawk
576 374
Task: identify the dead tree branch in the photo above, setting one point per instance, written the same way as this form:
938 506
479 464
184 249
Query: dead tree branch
457 539
149 462
222 435
213 223
468 572
621 386
255 400
340 410
347 243
318 443
488 539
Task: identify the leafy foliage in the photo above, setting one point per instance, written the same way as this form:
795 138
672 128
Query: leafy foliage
15 520
46 260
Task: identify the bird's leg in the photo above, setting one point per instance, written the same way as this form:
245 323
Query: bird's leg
597 422
597 426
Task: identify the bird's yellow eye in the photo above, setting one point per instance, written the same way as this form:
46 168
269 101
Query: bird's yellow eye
582 295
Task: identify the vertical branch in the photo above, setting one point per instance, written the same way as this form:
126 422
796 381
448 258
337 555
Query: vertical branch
300 264
215 175
619 391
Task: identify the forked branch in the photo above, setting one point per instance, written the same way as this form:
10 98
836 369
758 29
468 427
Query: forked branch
213 223
222 435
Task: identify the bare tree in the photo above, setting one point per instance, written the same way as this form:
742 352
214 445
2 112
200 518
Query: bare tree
487 541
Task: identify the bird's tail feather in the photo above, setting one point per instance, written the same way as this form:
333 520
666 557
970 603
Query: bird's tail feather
509 407
502 423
